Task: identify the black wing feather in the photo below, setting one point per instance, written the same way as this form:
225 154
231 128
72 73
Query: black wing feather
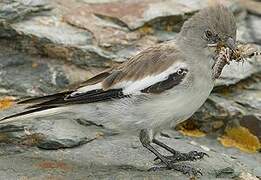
87 97
63 99
44 98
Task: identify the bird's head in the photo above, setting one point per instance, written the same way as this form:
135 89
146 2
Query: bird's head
211 27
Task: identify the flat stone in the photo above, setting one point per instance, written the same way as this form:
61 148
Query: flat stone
50 133
62 133
113 157
54 30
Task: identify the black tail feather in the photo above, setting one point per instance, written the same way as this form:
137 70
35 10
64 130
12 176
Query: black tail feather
44 98
27 112
66 98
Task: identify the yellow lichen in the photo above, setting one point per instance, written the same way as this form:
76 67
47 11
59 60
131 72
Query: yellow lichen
4 137
192 133
34 65
241 138
6 102
146 30
188 128
99 135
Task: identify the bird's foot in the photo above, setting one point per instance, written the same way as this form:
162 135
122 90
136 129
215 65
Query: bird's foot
184 168
190 156
170 162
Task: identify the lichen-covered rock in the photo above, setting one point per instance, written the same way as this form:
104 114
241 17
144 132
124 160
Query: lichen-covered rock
46 46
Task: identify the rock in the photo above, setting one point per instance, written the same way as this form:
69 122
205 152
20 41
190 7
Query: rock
230 105
11 128
216 113
15 10
253 123
49 134
247 176
250 99
254 23
62 133
114 157
36 38
23 75
88 34
252 6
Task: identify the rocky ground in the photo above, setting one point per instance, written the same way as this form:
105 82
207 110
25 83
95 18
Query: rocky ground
47 46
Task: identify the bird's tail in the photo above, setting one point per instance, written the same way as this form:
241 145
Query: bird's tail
38 107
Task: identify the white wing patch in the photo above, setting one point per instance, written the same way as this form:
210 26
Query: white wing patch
135 87
85 89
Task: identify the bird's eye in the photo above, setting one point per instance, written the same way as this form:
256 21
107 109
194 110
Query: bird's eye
208 33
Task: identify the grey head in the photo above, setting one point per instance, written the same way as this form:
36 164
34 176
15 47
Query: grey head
212 25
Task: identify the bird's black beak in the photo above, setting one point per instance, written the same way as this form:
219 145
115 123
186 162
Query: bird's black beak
231 44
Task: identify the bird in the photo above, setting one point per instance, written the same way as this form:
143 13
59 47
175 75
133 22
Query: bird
161 85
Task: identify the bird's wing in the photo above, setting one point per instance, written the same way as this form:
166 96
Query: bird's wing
154 70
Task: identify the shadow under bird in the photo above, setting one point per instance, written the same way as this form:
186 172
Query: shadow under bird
163 84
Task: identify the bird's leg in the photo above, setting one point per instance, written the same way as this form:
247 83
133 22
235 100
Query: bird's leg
146 139
178 156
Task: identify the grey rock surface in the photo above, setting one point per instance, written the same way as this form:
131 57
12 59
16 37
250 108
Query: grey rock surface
62 133
23 75
255 29
47 46
91 34
111 158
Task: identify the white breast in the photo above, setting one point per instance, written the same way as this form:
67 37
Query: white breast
179 103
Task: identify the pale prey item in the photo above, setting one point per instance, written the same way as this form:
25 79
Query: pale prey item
163 84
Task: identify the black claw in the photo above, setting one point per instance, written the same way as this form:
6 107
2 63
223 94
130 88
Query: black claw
191 156
170 162
195 155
